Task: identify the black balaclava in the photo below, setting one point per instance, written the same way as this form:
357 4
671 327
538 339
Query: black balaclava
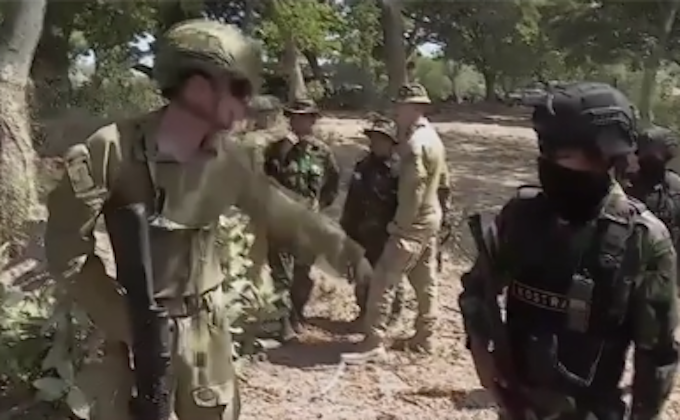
576 196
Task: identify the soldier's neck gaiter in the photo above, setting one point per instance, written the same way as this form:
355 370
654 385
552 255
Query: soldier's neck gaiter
576 196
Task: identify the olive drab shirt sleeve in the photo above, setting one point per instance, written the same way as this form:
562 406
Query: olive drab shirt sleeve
654 320
412 183
285 216
76 202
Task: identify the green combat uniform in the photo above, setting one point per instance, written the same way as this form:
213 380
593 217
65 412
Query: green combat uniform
121 163
306 166
370 206
653 184
411 249
585 270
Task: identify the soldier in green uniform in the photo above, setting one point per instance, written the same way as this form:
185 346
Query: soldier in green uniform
654 184
371 203
182 164
585 270
304 165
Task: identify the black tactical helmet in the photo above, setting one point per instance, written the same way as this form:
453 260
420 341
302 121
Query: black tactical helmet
587 115
661 139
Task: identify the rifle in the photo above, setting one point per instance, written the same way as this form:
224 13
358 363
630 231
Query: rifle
506 383
129 232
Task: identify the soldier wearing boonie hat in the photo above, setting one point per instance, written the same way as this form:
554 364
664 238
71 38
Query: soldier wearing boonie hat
305 165
411 249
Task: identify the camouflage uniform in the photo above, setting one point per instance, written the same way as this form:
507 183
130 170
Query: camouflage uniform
120 163
370 206
411 249
653 184
307 167
585 270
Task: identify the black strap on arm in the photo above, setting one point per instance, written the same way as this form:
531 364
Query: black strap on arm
129 232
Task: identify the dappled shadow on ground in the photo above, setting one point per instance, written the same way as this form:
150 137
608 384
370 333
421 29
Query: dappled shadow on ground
307 353
333 326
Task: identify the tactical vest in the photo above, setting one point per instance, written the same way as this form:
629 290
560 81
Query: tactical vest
567 304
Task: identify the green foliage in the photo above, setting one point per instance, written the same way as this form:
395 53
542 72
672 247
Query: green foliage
251 302
309 22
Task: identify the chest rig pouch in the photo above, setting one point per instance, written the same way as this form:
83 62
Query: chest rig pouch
183 223
569 292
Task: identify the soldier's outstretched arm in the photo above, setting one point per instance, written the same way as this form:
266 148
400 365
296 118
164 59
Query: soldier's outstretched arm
654 320
331 186
77 201
289 220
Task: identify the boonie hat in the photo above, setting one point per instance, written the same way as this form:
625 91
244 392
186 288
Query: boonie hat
412 93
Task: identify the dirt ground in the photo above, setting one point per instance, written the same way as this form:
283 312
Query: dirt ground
489 155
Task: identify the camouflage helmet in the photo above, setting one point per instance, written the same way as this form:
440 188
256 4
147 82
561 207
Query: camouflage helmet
206 46
382 126
264 103
412 93
660 139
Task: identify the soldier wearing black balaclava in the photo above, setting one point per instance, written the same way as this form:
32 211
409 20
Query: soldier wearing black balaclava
586 271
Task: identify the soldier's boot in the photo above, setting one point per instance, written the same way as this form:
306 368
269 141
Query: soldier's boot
423 340
300 292
287 333
370 350
296 321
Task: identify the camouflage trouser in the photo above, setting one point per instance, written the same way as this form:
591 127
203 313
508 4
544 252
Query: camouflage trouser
415 259
204 381
291 279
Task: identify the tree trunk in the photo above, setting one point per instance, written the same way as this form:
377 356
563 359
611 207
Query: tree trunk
51 64
392 24
296 81
19 36
453 71
490 79
653 62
